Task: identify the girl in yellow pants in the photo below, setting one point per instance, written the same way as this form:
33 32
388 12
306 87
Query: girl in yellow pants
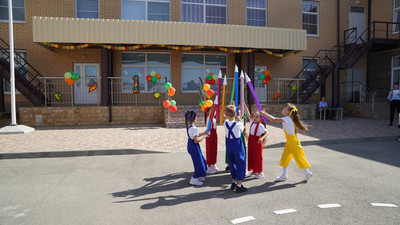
291 122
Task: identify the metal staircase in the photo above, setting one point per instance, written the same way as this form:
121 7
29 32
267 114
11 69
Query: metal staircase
26 76
343 56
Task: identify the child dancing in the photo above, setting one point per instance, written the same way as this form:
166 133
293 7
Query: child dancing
291 122
194 149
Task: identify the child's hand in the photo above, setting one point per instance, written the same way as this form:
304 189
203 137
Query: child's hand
259 141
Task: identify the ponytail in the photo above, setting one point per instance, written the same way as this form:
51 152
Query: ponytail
294 114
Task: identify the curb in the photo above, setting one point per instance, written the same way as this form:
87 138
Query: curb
337 141
60 154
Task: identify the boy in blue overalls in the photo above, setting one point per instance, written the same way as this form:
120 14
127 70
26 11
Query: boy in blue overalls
234 148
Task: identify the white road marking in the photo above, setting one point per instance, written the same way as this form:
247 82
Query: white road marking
284 211
325 206
243 219
384 205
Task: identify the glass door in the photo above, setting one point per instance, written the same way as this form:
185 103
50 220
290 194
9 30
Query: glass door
87 88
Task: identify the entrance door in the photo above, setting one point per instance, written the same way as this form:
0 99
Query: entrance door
259 86
89 75
357 19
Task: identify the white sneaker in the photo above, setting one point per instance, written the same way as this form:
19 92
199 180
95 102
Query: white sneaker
211 170
250 173
201 179
258 175
281 178
196 182
215 167
308 176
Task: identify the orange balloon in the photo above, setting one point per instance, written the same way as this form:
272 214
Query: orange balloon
206 87
166 103
171 91
158 76
266 73
209 103
70 81
204 107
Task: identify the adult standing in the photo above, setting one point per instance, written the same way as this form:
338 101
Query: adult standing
394 98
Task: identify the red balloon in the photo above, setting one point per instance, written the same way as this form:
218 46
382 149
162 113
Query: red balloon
166 103
148 77
266 81
268 78
171 91
173 108
210 92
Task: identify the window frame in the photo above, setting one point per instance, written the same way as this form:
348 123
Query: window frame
146 8
204 4
203 67
310 13
395 11
260 9
302 75
146 72
76 10
392 71
16 21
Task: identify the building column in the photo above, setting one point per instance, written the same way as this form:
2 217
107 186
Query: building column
106 72
335 87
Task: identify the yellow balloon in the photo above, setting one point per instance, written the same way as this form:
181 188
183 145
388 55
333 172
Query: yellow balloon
206 87
209 103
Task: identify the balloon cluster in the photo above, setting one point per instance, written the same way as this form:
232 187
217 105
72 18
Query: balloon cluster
70 77
153 77
171 105
209 93
266 77
211 78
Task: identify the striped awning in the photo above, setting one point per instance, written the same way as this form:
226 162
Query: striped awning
115 31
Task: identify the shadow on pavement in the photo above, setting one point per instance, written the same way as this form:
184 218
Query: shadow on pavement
177 181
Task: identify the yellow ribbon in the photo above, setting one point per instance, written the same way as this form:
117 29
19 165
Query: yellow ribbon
294 109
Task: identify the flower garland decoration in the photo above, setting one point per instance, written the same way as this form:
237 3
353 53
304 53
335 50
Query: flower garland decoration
280 55
69 47
125 48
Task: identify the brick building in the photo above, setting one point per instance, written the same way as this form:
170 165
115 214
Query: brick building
106 42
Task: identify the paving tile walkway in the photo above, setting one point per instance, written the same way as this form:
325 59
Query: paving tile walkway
153 137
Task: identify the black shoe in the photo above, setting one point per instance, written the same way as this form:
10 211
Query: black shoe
233 186
240 189
227 168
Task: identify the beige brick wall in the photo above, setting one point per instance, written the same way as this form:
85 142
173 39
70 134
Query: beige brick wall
286 14
85 116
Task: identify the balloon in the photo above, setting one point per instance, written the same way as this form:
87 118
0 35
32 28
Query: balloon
58 96
171 91
206 87
93 87
277 95
75 76
209 103
158 76
70 81
268 78
166 104
201 103
261 77
212 82
209 77
157 95
204 107
153 73
293 88
67 75
266 73
266 81
210 93
148 77
154 79
173 102
167 85
215 77
173 108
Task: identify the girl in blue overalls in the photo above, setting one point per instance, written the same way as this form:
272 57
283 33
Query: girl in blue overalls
193 147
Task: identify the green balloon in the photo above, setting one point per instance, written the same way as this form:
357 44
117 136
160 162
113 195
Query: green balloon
215 77
294 88
167 85
153 73
261 77
201 103
173 102
75 76
209 77
154 79
272 77
68 75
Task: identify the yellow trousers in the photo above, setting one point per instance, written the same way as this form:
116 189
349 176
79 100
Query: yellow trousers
294 150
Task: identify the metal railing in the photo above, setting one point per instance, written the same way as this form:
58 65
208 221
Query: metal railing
357 93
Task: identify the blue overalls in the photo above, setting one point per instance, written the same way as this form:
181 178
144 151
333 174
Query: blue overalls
236 154
199 162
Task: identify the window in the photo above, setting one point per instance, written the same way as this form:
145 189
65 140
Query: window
200 11
395 70
145 10
396 15
142 64
256 13
18 10
87 9
309 66
198 65
20 58
310 18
